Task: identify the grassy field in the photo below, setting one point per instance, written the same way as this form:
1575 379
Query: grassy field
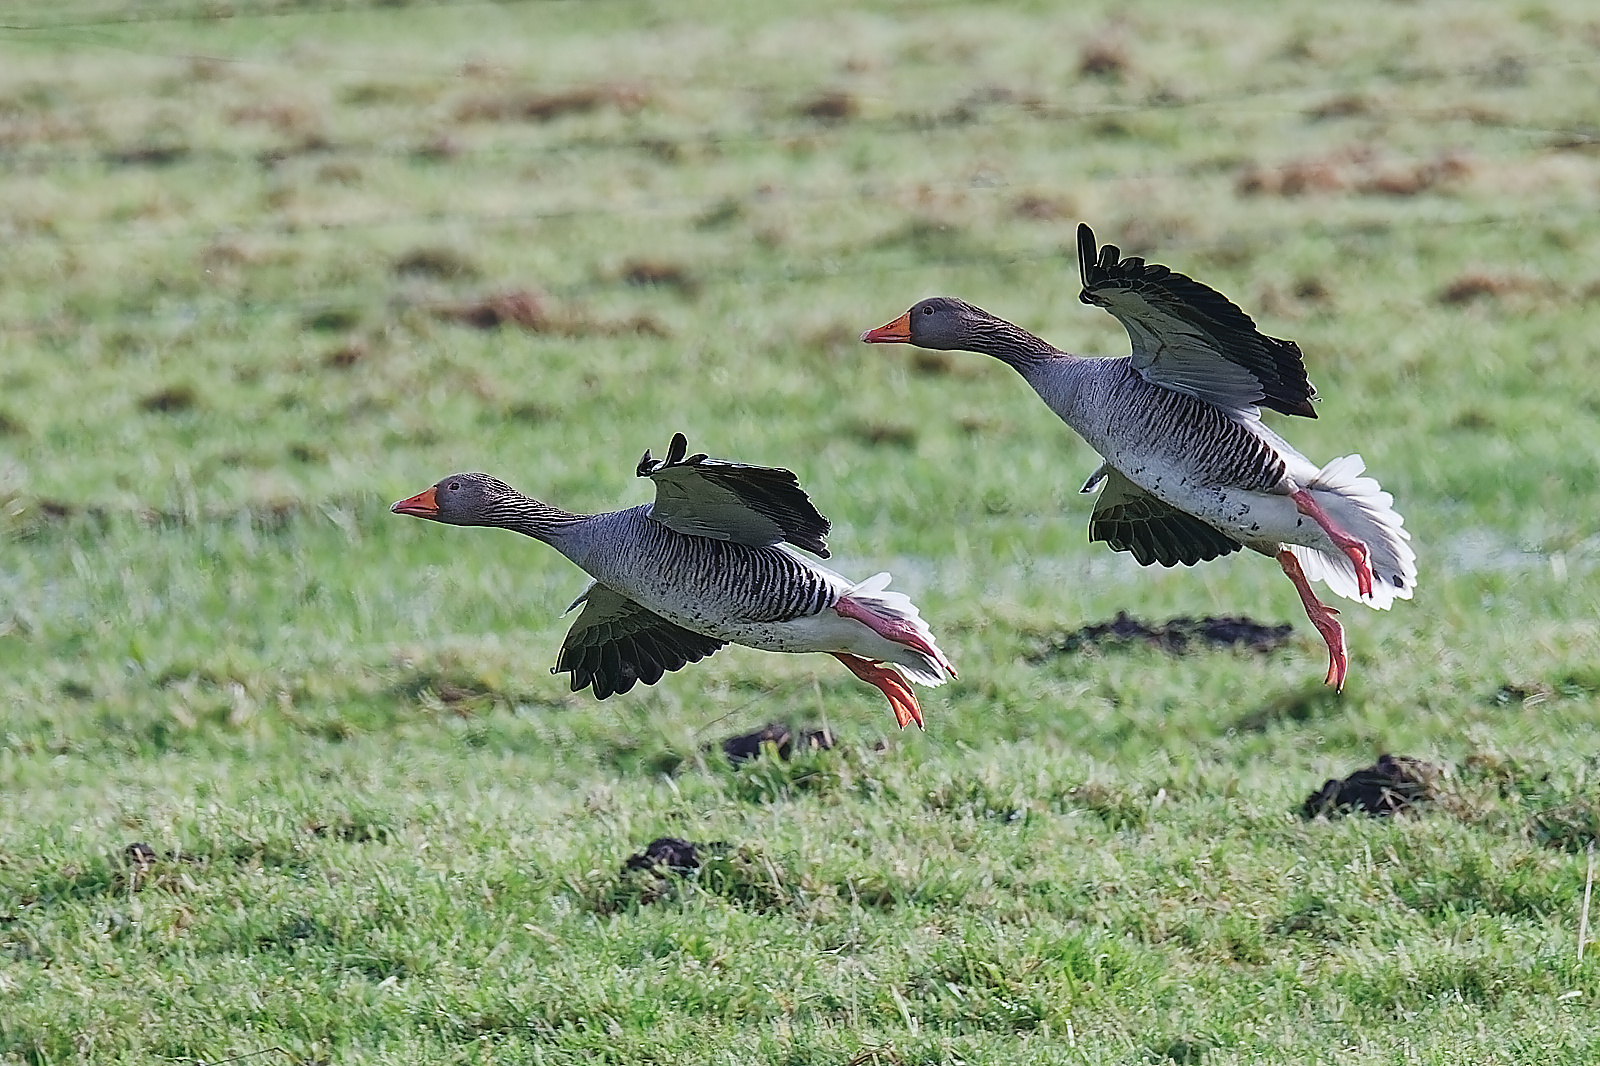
266 267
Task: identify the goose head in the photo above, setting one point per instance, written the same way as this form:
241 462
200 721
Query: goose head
463 500
943 323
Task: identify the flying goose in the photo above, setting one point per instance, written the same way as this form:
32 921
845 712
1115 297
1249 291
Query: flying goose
708 563
1191 472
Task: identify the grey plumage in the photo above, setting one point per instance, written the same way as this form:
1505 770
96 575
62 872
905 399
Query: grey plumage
1190 471
708 563
1173 425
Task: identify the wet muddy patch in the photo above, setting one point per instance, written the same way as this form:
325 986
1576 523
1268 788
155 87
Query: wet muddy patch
1175 636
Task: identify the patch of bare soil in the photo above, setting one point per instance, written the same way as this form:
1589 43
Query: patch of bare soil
535 312
1393 784
748 745
546 107
1476 285
1358 168
668 853
832 106
1175 635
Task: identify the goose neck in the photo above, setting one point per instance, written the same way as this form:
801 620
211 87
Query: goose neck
534 518
1009 343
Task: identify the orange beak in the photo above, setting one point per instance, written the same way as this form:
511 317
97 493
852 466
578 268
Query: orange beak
896 332
422 505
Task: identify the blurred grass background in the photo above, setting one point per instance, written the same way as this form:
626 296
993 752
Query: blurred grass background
269 266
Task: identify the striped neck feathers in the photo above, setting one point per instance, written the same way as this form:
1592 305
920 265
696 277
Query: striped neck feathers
528 516
1007 342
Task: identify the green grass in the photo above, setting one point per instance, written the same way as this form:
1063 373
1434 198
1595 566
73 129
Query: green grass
238 241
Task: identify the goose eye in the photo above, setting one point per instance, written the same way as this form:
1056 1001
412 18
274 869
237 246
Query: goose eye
455 485
927 309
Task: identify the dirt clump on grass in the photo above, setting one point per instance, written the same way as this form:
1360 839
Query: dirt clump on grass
883 434
346 355
1357 168
438 148
146 868
435 262
1477 285
533 311
1393 784
546 107
147 155
748 746
459 690
311 143
670 853
659 272
1042 207
670 868
1175 635
834 105
515 307
170 399
1104 57
1344 105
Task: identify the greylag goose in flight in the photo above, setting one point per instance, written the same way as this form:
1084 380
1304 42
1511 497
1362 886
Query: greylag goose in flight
1191 472
707 564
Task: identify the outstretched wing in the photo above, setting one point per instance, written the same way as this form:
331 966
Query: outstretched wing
1189 337
615 642
755 505
1129 519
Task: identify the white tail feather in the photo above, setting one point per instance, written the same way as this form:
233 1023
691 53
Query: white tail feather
874 594
1360 507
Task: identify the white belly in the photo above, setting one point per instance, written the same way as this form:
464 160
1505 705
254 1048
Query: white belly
1260 520
825 631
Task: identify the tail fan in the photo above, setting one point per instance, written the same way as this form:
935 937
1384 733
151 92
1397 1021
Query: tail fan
898 619
1359 505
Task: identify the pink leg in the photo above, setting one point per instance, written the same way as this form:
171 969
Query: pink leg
888 681
1355 549
1322 616
895 629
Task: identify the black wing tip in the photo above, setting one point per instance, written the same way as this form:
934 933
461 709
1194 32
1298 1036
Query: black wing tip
1277 364
1172 540
603 685
677 455
813 544
1292 393
1098 265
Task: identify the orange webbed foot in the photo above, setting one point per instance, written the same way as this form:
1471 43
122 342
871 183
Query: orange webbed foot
890 682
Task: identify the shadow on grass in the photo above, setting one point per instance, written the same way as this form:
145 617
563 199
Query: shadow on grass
1296 705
